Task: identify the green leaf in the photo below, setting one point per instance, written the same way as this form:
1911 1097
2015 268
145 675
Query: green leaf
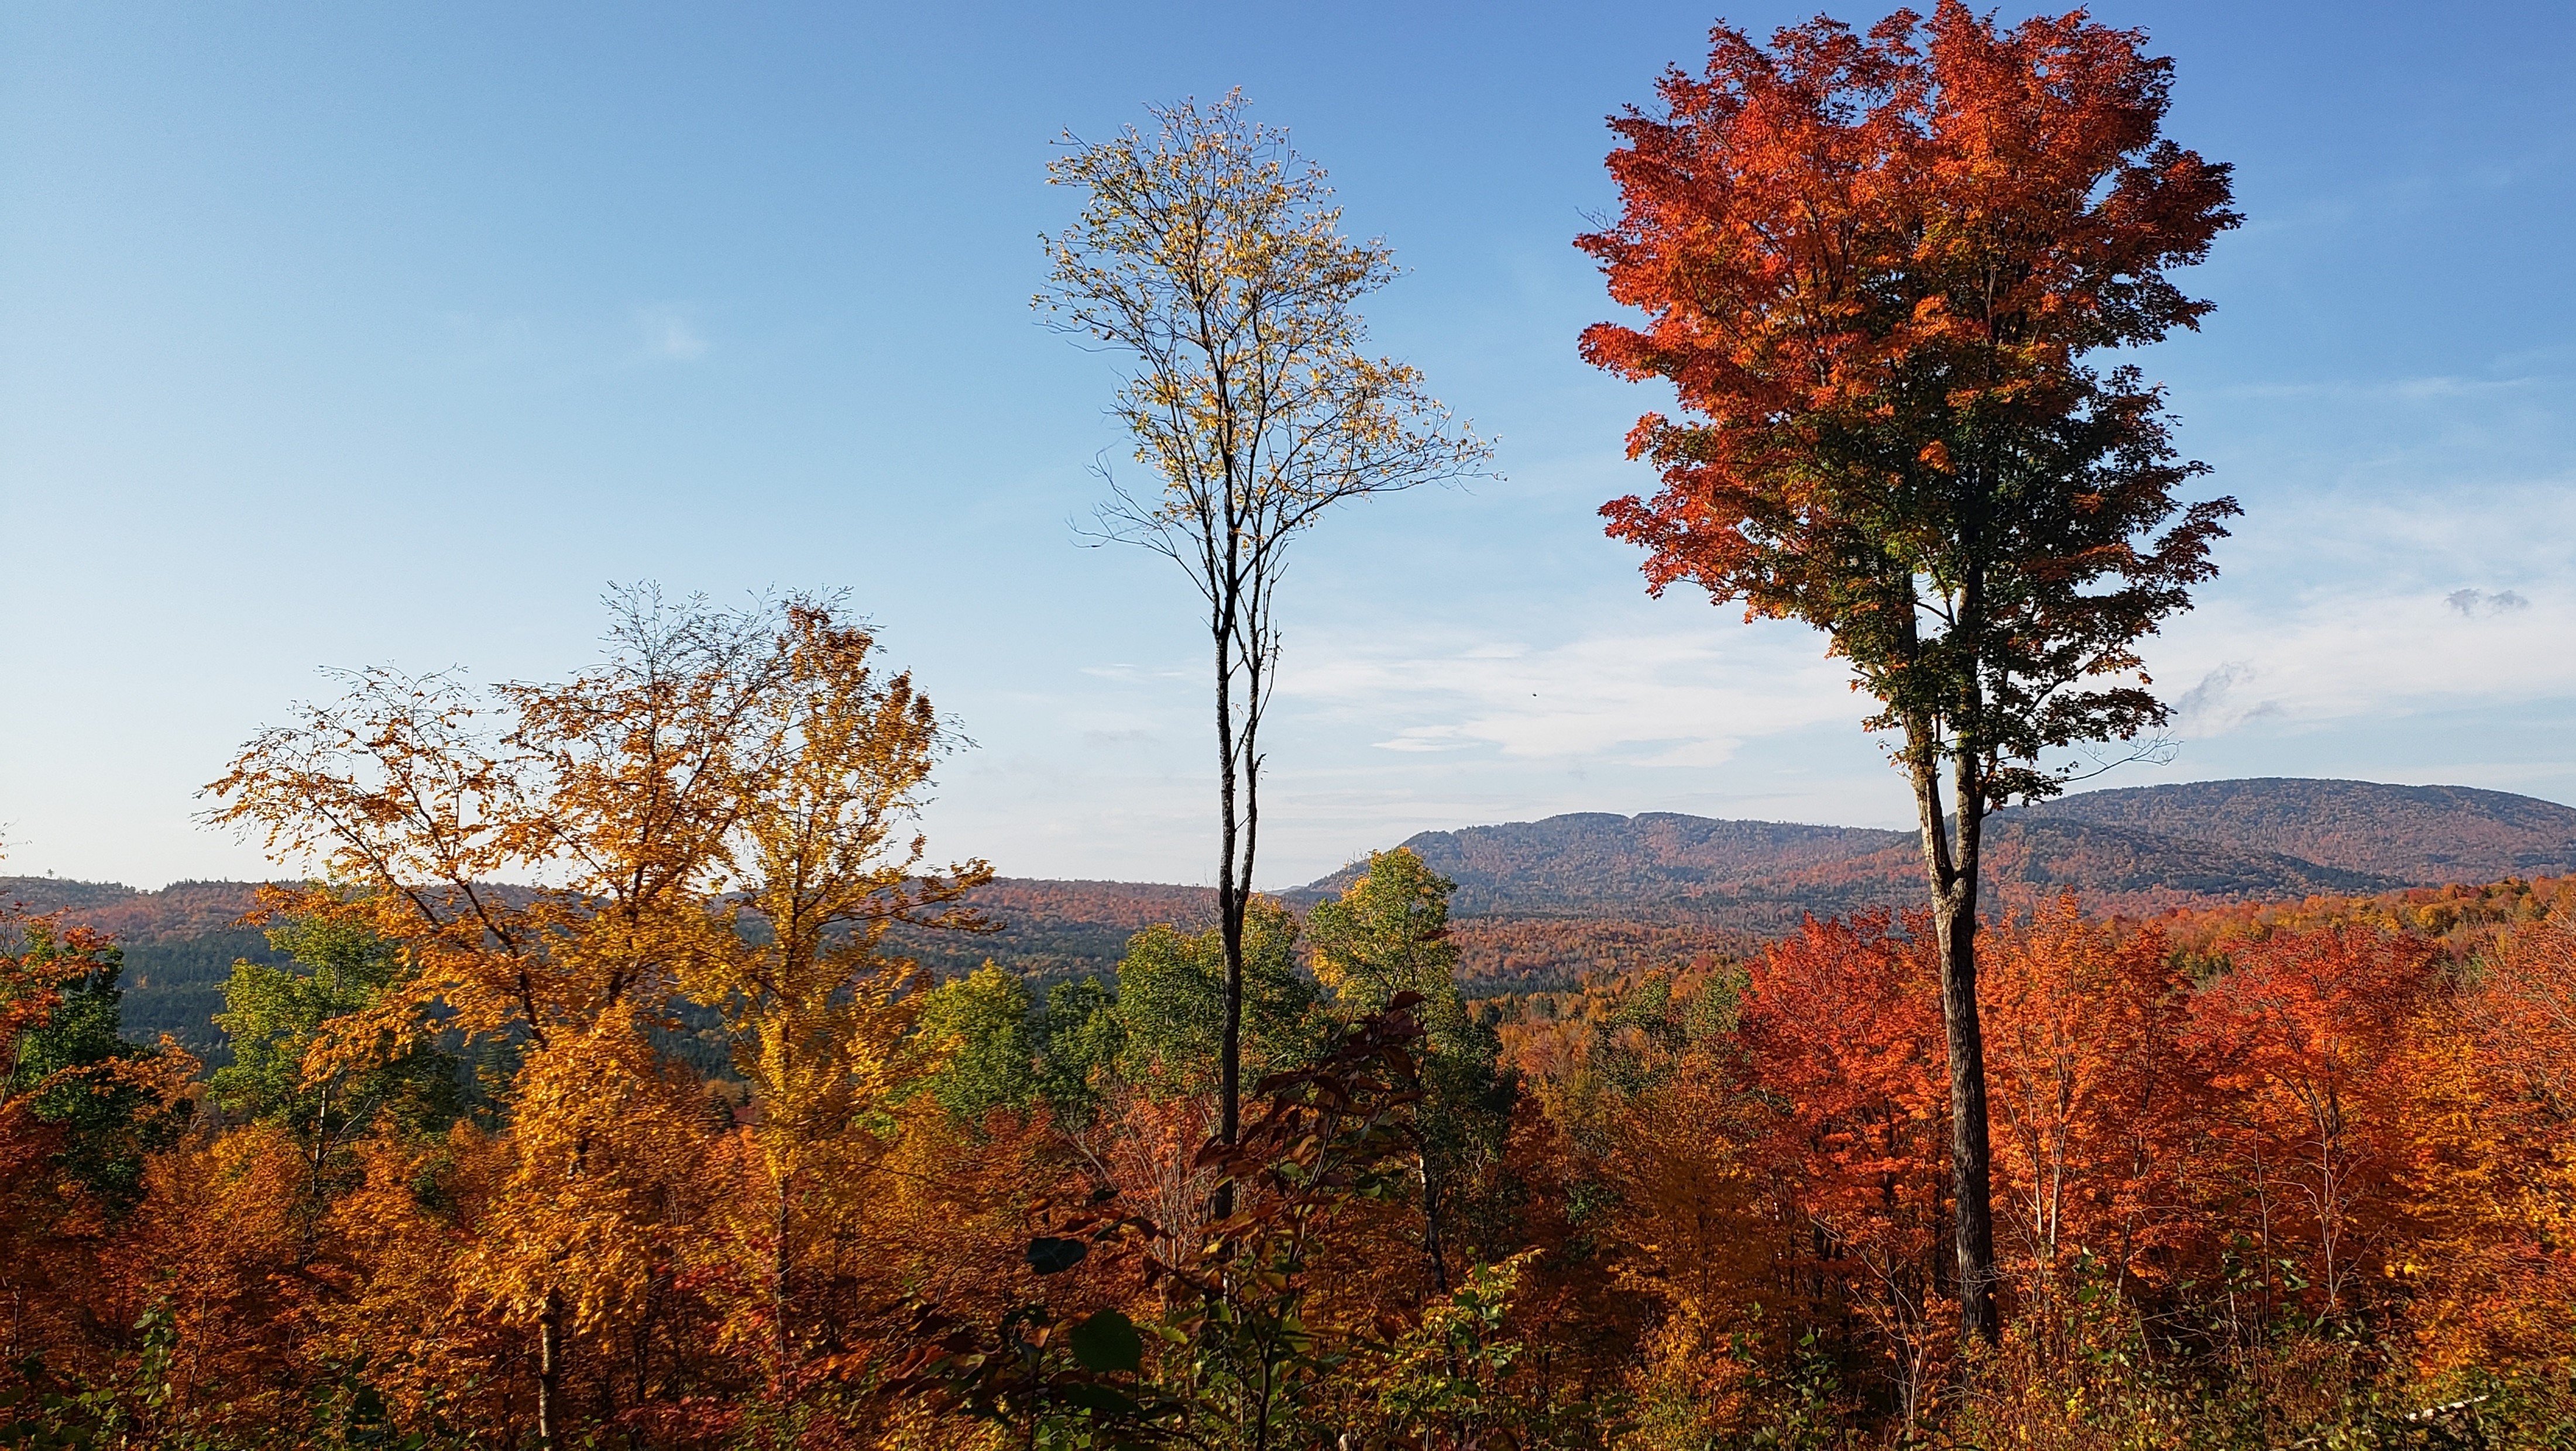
1050 1256
1100 1400
1108 1342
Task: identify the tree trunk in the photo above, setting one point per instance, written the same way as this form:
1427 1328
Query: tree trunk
1954 932
549 1368
1971 1175
780 1267
1230 896
1432 1210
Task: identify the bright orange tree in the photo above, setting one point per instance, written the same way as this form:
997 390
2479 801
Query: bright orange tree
2492 1148
719 811
2304 1042
1838 1036
1872 268
2096 1100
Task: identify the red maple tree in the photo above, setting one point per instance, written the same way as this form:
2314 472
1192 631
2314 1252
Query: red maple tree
1872 267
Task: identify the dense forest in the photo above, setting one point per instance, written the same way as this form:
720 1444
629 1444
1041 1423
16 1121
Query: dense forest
2266 1169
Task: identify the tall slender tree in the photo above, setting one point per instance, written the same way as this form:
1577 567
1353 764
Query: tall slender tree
1208 253
1873 268
829 859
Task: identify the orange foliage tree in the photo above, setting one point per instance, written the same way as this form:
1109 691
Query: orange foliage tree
2095 1102
820 1017
2303 1043
1839 1035
2493 1159
1872 268
48 1224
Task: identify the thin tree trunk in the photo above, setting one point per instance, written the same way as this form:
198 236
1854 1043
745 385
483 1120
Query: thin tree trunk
644 1340
779 1269
1432 1210
1230 896
549 1368
1954 931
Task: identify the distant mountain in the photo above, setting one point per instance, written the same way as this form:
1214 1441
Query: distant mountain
2419 835
1542 902
2137 849
1589 859
180 945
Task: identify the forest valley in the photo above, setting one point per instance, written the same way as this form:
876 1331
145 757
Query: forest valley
2261 1174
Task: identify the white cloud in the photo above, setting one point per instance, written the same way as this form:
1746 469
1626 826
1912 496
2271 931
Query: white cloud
2411 630
668 334
2358 654
1673 698
1427 738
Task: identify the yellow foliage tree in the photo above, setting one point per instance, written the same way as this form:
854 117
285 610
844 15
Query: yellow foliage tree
1208 253
715 807
820 1018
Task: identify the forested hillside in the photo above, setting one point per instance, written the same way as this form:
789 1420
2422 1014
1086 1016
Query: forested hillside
1591 860
1049 930
1541 904
2412 834
2138 849
1605 1190
1760 876
179 945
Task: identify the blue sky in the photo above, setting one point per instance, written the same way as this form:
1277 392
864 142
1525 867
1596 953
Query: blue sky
336 335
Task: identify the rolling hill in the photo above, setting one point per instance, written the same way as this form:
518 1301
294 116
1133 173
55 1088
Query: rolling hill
2136 849
2419 835
1540 903
1764 876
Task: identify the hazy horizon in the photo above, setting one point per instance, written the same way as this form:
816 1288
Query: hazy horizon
1361 857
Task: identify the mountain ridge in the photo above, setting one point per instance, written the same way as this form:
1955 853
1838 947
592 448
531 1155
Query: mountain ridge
2139 848
1543 901
2425 835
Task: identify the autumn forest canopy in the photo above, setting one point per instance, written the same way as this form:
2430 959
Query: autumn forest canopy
616 1062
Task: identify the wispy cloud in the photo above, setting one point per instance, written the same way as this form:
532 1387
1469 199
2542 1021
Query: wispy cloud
668 334
1695 698
1679 698
2220 702
2472 603
2361 654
